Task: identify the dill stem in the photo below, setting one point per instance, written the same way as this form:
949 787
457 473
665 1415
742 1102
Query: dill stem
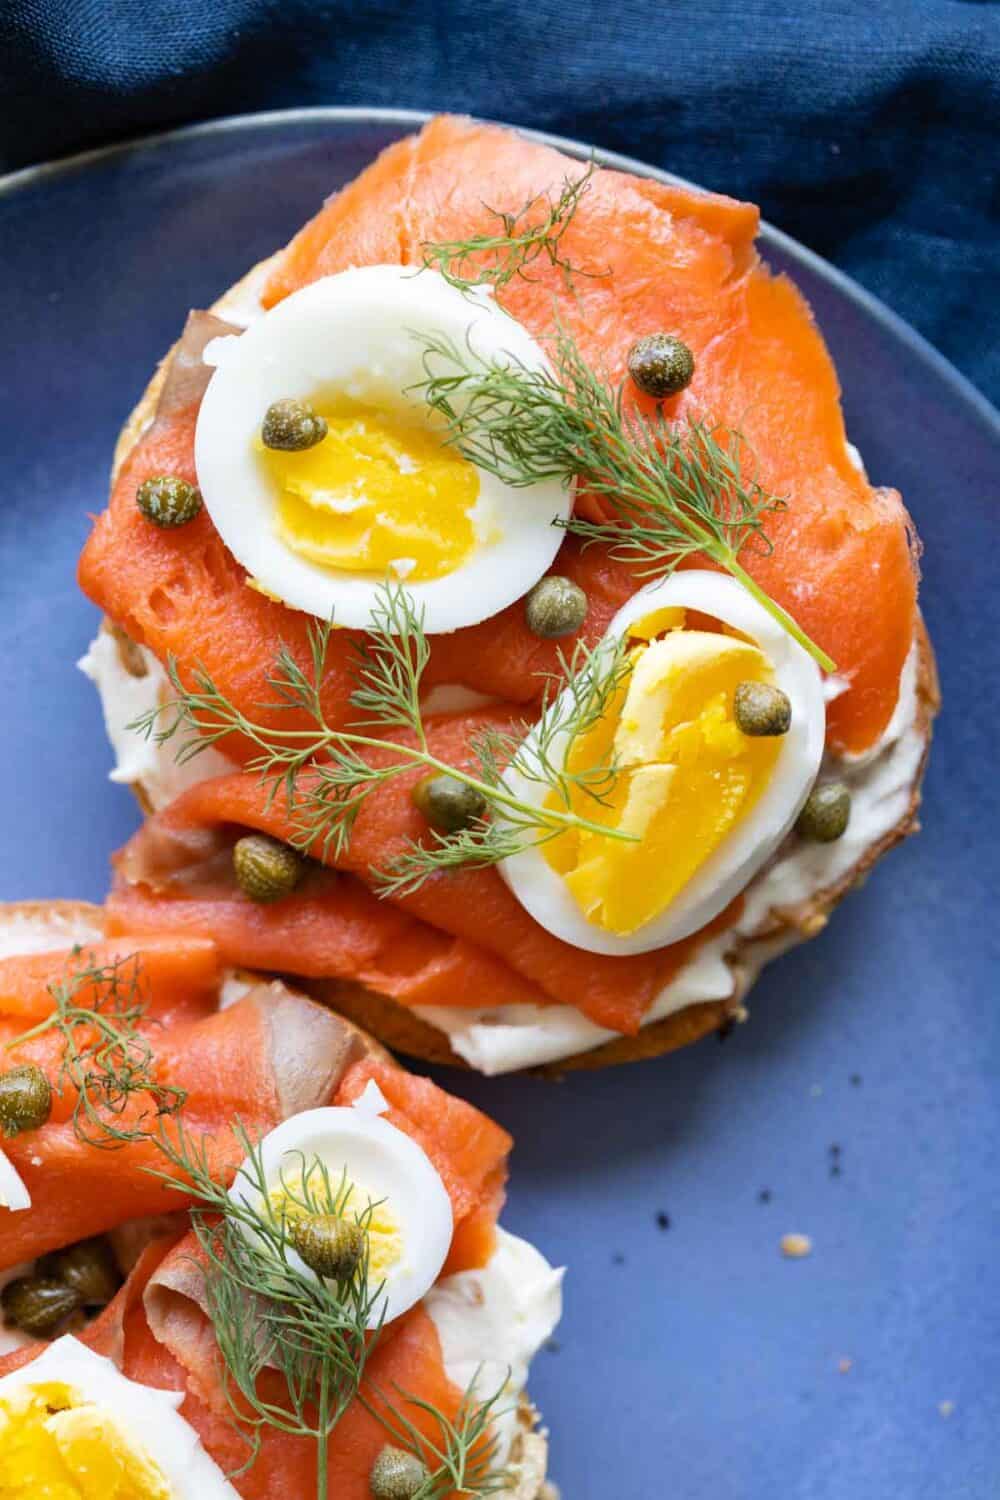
784 619
322 1434
29 1036
549 816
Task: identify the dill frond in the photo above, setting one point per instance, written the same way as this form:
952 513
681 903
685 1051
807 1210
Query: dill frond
268 1314
676 490
106 1061
530 234
462 1458
327 775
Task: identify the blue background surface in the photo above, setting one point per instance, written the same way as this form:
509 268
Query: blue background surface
702 1365
866 128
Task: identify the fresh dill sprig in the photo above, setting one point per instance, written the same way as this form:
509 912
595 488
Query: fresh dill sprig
268 1314
533 232
326 775
266 1311
463 1460
677 490
106 1060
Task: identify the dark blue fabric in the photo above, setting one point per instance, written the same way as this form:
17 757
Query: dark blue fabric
869 129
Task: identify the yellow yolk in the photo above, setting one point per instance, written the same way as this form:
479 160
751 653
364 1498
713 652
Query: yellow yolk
377 495
382 1229
687 775
56 1445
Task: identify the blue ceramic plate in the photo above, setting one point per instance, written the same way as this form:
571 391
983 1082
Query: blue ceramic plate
694 1361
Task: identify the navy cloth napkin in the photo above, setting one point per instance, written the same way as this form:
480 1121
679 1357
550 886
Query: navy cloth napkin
869 129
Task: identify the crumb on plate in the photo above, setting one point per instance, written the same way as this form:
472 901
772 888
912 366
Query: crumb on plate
795 1246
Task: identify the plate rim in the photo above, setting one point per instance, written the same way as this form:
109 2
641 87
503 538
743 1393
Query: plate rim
867 302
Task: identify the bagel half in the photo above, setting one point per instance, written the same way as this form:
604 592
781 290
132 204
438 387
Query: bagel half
781 927
41 926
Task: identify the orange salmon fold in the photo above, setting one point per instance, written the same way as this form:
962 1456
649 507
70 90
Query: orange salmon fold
657 257
243 1062
473 907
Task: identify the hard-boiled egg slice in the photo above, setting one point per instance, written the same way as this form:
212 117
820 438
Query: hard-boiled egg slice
14 1196
72 1424
396 1193
707 805
381 495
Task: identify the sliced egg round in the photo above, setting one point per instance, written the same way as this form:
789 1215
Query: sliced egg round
381 496
14 1196
702 804
393 1191
72 1424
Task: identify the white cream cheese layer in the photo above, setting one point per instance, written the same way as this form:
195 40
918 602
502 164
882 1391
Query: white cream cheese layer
501 1039
125 698
492 1322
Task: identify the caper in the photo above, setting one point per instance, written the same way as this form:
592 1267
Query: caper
291 426
329 1245
37 1304
447 803
826 813
762 709
88 1267
555 607
168 501
266 869
660 364
25 1099
396 1474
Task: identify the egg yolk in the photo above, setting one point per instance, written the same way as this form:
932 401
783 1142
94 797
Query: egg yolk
57 1445
686 776
382 1228
377 495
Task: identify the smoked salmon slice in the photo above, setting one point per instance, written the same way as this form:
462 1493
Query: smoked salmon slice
474 906
242 1062
229 1065
657 257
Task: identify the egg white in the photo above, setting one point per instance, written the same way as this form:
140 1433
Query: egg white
145 1414
348 331
386 1163
543 892
14 1196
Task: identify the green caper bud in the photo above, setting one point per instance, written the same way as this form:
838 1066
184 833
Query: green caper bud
329 1245
168 501
265 868
292 426
25 1099
660 364
761 709
88 1267
555 607
37 1304
826 813
396 1474
447 803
